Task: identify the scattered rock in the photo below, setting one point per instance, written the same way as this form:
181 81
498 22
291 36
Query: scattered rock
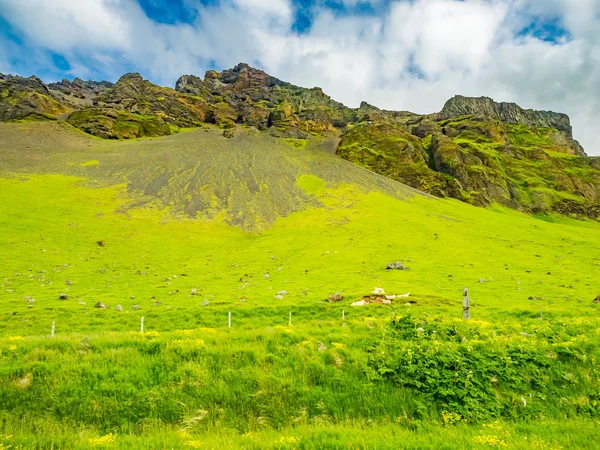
136 307
118 308
390 297
132 297
101 243
81 302
68 283
396 266
242 280
100 305
205 303
279 297
63 296
482 280
378 291
157 303
266 275
194 291
359 303
229 133
386 302
282 293
337 297
597 299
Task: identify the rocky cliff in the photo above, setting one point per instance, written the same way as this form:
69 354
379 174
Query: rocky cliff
475 150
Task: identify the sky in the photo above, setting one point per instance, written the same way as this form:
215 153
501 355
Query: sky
395 54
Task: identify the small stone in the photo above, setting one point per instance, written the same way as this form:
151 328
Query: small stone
136 307
118 308
597 299
242 280
337 297
100 305
63 296
396 266
386 302
279 297
482 280
132 297
194 291
81 302
229 133
205 303
378 291
282 293
359 303
266 275
68 283
157 303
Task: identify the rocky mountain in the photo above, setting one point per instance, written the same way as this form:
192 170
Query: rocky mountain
474 150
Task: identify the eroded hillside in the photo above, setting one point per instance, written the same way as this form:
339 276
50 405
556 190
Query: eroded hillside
474 150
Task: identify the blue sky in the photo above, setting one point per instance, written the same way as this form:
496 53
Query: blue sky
396 54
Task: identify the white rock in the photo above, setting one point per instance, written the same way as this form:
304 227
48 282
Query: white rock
386 302
390 297
359 303
378 291
279 297
404 295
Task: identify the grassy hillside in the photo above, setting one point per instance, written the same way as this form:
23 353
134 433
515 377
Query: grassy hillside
149 223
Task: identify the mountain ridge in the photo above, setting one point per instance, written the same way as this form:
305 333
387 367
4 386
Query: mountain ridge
475 149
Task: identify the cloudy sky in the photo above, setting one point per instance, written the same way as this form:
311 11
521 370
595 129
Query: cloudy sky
396 54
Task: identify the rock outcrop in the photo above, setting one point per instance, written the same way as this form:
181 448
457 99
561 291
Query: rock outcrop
475 150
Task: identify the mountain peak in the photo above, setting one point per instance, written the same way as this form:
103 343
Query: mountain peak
506 112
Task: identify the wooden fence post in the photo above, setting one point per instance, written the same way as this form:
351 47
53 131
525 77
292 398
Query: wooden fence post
290 320
343 316
52 333
229 320
142 325
466 305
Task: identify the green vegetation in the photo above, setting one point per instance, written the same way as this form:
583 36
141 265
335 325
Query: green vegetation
480 161
114 222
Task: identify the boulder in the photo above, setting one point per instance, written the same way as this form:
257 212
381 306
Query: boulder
118 308
378 291
337 297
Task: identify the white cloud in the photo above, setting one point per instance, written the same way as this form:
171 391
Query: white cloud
409 56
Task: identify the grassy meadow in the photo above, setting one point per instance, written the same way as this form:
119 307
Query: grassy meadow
193 226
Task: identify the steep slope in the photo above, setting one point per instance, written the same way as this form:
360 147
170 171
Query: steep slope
483 152
474 150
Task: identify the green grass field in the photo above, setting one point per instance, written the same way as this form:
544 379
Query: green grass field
146 222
